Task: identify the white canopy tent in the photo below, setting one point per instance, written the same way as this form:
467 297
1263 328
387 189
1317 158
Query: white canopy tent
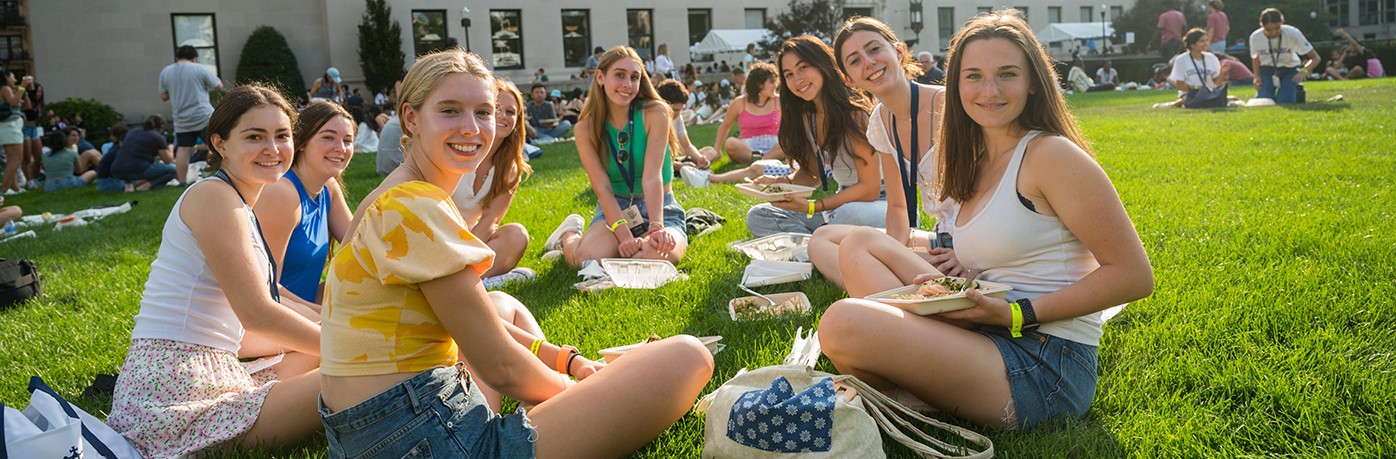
1067 31
727 44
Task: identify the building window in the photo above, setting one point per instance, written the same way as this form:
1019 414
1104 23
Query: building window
984 9
945 22
9 14
640 29
199 31
576 37
1339 10
1390 11
12 48
1116 12
1088 14
1022 12
428 31
1054 14
700 21
1369 12
755 18
506 39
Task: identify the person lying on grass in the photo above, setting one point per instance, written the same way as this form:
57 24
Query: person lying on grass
624 141
484 195
824 132
1037 213
406 312
212 286
906 118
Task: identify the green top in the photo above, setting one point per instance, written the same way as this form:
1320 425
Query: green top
637 144
59 164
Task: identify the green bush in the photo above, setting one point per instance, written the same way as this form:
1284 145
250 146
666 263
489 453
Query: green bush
267 59
96 116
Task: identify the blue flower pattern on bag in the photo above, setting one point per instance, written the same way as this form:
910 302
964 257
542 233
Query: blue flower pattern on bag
779 420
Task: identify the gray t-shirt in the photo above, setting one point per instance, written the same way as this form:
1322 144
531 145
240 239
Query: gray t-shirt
188 84
389 146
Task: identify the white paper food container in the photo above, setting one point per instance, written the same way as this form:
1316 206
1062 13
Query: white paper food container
779 246
610 355
946 303
771 272
631 273
754 190
802 306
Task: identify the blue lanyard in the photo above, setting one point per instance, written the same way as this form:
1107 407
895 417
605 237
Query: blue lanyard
909 190
818 153
627 167
271 278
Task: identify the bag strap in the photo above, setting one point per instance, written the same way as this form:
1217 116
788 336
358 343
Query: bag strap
891 416
37 383
4 452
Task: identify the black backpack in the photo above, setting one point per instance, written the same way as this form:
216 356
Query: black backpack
19 281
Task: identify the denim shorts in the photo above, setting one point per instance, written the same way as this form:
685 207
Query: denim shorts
55 184
438 413
673 213
1048 376
32 132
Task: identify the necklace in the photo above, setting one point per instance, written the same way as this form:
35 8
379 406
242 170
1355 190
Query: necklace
417 173
762 104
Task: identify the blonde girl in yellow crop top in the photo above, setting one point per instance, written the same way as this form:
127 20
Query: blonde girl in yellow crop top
405 305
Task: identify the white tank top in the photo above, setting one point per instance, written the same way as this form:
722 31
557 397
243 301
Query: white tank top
472 205
881 140
1034 253
182 300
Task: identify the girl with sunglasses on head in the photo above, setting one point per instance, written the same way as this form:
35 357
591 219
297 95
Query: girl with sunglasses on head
411 336
903 129
1036 213
624 140
824 133
485 194
183 389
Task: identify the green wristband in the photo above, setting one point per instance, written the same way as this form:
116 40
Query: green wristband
1017 328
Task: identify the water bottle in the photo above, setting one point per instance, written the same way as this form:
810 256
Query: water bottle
10 228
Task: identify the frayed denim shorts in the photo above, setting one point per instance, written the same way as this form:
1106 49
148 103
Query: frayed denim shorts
1048 376
438 413
673 213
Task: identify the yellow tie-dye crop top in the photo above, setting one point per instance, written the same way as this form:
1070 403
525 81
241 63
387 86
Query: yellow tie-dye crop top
376 320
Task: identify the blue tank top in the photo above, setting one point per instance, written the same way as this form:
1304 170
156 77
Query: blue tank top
309 245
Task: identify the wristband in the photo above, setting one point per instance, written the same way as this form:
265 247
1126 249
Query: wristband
810 214
569 362
1016 329
563 354
617 224
1029 315
537 343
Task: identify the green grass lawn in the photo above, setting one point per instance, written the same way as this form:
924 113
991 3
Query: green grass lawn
1268 334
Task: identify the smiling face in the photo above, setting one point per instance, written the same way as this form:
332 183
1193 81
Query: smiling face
455 125
994 82
330 149
258 148
803 80
871 62
506 115
621 82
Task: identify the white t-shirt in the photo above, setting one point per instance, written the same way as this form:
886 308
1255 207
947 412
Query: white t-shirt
1195 72
1281 51
662 65
1103 76
472 205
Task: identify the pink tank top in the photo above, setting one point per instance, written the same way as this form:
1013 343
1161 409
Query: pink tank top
749 125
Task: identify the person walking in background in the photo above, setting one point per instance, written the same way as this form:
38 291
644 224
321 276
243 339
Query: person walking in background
33 133
1275 53
185 85
11 131
749 58
1169 31
1217 25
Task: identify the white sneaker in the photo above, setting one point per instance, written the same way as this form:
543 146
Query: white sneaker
518 275
571 223
695 177
33 184
1163 105
552 255
13 192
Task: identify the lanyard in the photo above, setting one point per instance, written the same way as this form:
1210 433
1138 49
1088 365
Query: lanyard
627 167
271 278
818 153
909 189
1275 48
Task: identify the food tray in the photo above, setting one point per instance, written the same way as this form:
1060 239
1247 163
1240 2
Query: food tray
631 273
771 272
779 246
801 306
754 190
610 355
937 305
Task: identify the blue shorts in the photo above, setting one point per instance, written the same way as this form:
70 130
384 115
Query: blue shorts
32 132
1048 376
673 213
438 413
63 183
110 184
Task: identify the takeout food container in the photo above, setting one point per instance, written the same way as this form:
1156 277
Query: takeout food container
953 302
783 308
610 355
632 273
754 190
779 246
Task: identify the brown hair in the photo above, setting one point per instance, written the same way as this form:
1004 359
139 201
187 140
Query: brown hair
1271 15
508 157
1217 5
1193 36
597 109
845 109
757 76
867 24
961 144
311 120
234 104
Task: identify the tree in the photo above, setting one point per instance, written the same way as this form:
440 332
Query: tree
819 18
380 46
266 58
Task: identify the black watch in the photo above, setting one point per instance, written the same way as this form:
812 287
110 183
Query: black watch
1029 316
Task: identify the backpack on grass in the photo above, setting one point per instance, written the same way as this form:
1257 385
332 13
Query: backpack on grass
19 281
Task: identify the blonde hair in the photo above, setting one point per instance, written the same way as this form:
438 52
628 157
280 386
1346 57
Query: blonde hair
508 158
597 110
427 74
